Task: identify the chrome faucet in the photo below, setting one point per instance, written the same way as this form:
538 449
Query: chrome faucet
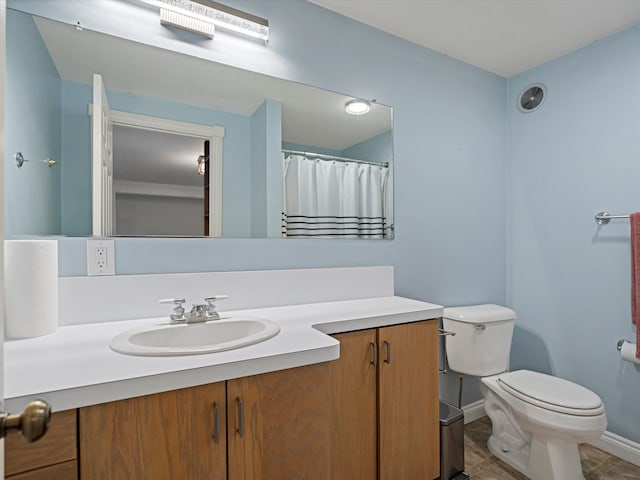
210 311
199 312
177 314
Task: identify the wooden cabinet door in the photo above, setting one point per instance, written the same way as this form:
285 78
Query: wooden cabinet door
408 402
58 447
162 436
59 471
354 441
278 425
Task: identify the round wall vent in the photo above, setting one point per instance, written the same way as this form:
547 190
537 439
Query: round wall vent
531 98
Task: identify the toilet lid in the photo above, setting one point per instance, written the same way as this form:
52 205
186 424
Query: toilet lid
552 393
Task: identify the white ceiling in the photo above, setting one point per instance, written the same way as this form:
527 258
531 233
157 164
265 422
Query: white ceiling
505 37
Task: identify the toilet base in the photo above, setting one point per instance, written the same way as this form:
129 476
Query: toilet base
547 459
508 441
516 458
552 458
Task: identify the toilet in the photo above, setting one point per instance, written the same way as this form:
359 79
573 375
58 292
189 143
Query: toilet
537 420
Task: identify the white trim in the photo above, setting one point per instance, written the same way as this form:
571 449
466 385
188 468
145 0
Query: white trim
473 411
102 197
215 185
157 189
158 124
619 446
3 14
215 135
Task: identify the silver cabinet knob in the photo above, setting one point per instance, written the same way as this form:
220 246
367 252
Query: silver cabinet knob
33 422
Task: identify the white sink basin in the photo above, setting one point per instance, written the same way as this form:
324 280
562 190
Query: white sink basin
194 338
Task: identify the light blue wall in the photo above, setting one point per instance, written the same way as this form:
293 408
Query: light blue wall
32 127
310 148
76 150
76 179
376 149
448 151
459 205
273 178
569 280
258 140
266 170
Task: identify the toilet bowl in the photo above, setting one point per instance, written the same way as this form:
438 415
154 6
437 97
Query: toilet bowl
537 419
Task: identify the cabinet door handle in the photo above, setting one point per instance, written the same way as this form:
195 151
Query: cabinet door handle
216 422
388 348
240 406
374 353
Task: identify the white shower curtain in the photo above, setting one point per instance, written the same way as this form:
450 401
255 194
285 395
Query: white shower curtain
331 199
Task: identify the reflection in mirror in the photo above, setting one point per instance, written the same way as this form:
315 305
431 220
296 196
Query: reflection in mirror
330 196
267 139
157 182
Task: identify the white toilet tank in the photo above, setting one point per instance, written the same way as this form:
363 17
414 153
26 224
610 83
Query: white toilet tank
482 340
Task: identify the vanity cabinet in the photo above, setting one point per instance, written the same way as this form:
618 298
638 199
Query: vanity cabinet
53 456
384 401
279 425
162 436
354 446
268 426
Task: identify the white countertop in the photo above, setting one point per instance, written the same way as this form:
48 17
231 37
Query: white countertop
75 367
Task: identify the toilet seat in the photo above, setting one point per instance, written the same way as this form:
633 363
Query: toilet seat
551 393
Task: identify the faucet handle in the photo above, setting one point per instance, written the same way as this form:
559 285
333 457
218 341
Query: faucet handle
216 297
177 314
210 309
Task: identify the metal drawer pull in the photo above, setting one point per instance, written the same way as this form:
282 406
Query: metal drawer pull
480 327
445 333
216 422
388 347
374 353
240 405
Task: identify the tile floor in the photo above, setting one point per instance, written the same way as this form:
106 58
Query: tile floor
480 464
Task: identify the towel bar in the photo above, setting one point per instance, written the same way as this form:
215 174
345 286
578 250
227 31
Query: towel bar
604 218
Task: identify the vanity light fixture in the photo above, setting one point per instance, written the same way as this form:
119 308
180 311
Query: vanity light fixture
175 17
201 165
202 16
357 107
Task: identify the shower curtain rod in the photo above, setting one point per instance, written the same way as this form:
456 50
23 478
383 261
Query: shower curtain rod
333 157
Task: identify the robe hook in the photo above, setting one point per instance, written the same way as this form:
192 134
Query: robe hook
20 160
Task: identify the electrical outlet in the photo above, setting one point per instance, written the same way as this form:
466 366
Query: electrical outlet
101 257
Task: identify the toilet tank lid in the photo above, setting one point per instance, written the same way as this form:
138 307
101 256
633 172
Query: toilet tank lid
479 313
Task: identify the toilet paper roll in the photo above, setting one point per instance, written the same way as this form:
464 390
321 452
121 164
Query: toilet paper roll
628 352
31 287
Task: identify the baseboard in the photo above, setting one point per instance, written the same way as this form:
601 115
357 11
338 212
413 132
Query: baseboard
473 411
619 446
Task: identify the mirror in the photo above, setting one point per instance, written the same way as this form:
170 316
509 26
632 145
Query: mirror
168 110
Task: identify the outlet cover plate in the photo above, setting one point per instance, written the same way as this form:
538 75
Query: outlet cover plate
101 257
